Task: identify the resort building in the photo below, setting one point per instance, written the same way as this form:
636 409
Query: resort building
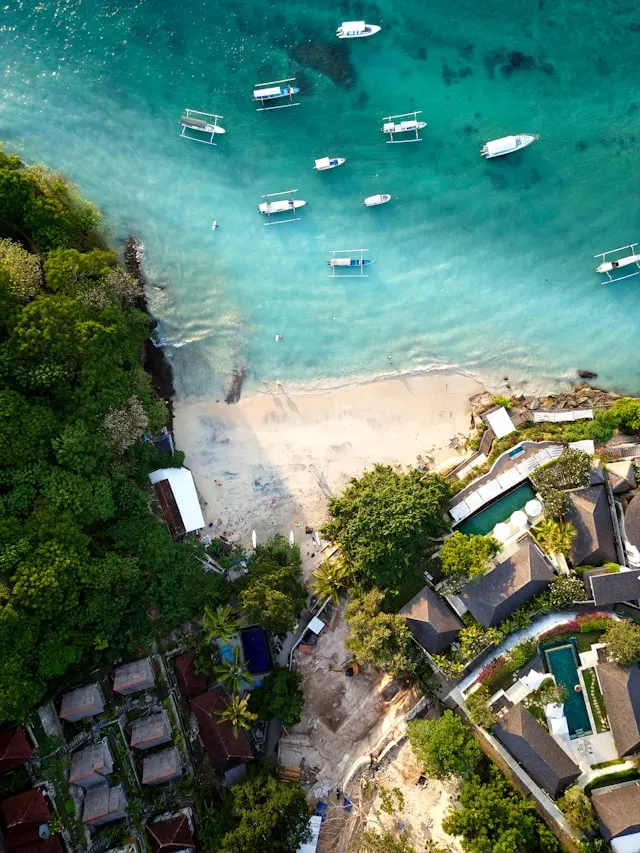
618 811
161 767
589 513
171 834
25 822
15 749
225 749
178 498
104 804
150 731
91 765
541 757
517 578
433 624
81 703
189 681
608 588
134 677
621 691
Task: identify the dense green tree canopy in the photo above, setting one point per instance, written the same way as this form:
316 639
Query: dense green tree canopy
625 413
466 558
87 574
269 816
379 639
493 818
272 593
623 641
445 747
279 697
385 520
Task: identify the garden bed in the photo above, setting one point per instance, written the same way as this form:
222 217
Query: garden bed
596 700
612 779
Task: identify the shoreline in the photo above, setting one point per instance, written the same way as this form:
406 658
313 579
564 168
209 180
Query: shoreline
271 461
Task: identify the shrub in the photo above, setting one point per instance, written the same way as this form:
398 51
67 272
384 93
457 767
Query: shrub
571 470
593 622
467 557
566 590
623 641
478 708
556 503
625 413
500 400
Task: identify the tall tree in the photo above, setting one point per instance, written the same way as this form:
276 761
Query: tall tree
578 809
238 714
623 641
233 674
556 536
380 639
331 580
384 521
279 697
219 624
445 747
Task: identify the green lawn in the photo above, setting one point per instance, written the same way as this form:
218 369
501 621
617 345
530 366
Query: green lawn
584 641
612 779
596 700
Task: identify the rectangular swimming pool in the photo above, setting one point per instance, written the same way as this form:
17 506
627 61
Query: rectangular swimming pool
485 520
255 645
562 661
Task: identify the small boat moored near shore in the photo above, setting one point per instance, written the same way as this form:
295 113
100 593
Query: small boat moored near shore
356 30
280 205
273 90
325 163
507 145
374 200
606 267
407 125
199 122
347 259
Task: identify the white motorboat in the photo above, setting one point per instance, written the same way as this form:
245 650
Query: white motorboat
373 200
280 206
356 30
325 163
507 145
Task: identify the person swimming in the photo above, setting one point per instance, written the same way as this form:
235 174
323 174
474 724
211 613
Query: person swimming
279 338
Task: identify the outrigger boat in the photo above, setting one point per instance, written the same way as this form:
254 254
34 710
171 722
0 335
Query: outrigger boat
507 145
373 200
325 163
349 262
356 30
196 120
406 126
281 205
273 91
607 267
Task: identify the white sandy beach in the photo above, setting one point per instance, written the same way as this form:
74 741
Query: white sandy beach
270 461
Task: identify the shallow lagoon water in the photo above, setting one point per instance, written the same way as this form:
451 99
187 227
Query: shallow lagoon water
485 266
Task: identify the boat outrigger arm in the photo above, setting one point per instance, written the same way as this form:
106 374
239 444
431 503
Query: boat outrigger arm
280 205
199 122
273 90
606 267
344 259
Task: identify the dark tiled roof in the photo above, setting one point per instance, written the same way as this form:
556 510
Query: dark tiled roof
611 588
509 585
151 731
434 625
618 810
632 521
82 702
14 749
534 748
590 515
224 748
21 818
621 691
169 505
162 766
621 476
134 676
170 835
189 681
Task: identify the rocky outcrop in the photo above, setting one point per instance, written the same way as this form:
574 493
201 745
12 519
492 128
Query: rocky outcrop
581 397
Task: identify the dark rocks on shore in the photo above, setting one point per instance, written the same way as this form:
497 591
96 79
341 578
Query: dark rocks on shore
587 374
329 59
235 388
154 360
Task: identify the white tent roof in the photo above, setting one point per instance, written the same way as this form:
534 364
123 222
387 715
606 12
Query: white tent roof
314 825
184 492
500 422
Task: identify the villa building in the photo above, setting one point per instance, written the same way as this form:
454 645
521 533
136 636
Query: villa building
104 804
15 749
81 703
91 765
433 624
516 579
225 749
134 677
534 748
608 588
621 691
618 810
178 498
190 682
162 767
25 822
590 514
171 834
150 731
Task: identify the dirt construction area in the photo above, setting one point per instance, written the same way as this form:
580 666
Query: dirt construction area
345 719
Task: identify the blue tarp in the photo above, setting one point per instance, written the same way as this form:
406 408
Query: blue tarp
321 810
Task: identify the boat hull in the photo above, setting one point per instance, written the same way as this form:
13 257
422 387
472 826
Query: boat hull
375 200
280 206
507 145
370 30
326 163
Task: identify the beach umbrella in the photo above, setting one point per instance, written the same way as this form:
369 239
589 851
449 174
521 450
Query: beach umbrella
502 531
254 538
519 519
533 508
292 538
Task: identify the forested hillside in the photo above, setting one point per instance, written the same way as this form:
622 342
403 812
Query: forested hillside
87 573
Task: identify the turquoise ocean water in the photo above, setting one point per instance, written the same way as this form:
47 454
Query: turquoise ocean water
486 266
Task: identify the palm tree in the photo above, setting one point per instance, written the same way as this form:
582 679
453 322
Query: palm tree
556 536
331 579
233 673
219 624
238 714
